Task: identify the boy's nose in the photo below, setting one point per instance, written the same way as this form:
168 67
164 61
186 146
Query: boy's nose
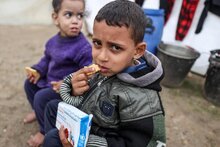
103 55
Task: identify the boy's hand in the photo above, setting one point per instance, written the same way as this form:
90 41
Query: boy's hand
63 138
79 81
32 74
56 85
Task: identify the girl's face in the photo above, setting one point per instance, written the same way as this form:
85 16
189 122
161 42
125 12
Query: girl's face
113 48
69 19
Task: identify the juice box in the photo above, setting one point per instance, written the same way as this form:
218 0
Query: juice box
76 122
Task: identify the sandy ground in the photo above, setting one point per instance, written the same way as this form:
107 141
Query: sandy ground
191 121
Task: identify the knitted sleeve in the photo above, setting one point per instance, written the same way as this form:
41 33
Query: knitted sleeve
65 92
96 141
42 65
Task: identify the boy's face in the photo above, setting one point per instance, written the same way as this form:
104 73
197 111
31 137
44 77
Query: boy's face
113 49
69 19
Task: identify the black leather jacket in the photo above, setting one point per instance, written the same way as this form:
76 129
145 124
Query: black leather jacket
125 106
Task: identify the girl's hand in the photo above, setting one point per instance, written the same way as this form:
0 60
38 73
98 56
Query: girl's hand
63 138
56 85
33 76
80 81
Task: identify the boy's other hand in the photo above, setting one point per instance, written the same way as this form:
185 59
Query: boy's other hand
79 81
56 85
63 138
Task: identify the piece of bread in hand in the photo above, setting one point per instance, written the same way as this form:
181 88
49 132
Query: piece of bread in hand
31 71
95 67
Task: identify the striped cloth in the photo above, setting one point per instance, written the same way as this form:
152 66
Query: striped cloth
66 92
96 141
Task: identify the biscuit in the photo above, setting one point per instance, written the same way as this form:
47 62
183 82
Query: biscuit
96 69
31 71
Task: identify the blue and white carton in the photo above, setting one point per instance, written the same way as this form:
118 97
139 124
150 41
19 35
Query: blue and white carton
77 122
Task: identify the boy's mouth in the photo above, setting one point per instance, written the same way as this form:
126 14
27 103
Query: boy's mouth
103 69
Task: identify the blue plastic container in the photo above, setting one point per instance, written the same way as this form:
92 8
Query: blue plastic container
153 36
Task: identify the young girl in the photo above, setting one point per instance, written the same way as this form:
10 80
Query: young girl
124 96
66 52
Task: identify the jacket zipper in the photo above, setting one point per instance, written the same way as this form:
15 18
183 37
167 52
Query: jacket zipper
97 84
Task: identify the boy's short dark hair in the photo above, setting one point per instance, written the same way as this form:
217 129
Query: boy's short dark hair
57 5
124 13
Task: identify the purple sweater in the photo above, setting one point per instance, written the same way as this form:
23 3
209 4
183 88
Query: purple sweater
63 56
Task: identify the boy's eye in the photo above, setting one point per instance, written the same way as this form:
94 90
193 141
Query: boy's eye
96 43
116 48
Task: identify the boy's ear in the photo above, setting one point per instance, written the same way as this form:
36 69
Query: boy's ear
54 17
140 50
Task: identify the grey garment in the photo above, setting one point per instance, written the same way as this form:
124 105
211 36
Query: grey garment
148 78
123 98
114 101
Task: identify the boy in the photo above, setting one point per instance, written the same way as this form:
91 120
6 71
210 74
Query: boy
123 97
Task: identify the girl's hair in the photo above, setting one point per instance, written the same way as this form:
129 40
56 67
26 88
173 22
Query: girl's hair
125 13
57 4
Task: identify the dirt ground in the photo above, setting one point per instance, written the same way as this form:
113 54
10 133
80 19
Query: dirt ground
191 121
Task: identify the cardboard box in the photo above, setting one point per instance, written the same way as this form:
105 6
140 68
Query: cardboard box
77 123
